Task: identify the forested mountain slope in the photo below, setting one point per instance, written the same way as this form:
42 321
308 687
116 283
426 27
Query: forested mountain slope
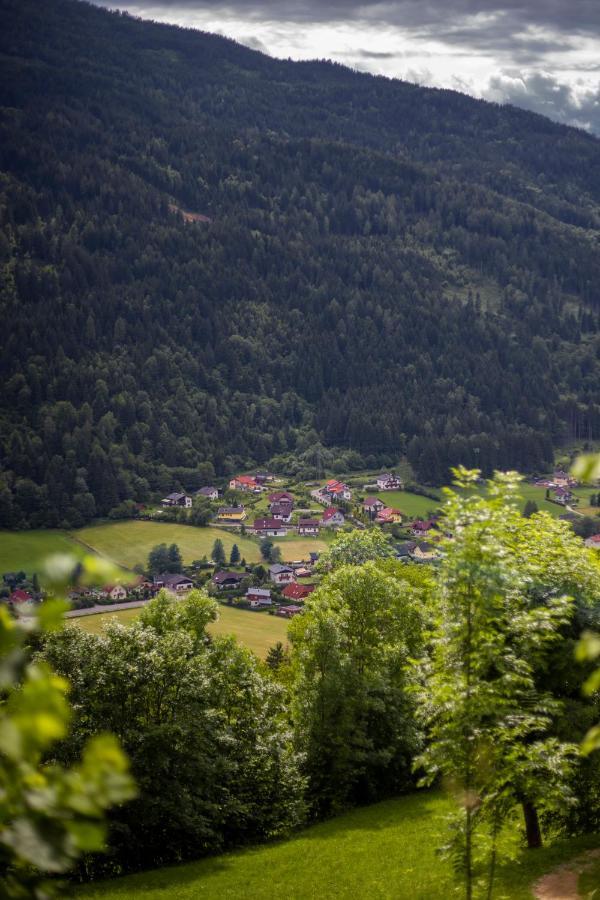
395 268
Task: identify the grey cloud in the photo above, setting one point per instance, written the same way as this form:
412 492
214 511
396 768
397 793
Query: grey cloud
483 15
543 93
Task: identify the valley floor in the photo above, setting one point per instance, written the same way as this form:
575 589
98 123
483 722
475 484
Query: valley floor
388 850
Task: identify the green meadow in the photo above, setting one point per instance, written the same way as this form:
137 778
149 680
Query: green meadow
388 850
129 542
256 630
26 550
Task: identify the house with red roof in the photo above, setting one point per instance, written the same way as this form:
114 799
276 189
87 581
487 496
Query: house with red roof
115 592
332 518
297 592
421 528
245 483
593 542
388 516
20 596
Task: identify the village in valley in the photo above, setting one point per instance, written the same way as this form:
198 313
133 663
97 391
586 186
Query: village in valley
289 525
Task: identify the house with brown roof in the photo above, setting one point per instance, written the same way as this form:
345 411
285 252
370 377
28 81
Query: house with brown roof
288 612
372 505
269 527
422 528
281 497
235 514
424 552
227 580
308 527
281 511
171 581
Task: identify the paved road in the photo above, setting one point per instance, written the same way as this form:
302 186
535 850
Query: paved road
103 608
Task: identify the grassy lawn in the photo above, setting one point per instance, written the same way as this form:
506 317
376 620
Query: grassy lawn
26 550
415 506
412 505
256 630
129 542
383 851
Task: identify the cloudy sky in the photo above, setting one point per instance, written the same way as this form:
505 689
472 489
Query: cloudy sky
540 54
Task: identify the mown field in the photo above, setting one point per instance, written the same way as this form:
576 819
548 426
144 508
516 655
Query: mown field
128 543
256 630
388 850
26 550
412 505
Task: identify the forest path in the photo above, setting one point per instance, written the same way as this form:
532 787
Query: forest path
561 884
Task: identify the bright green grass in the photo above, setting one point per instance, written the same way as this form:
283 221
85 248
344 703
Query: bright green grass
130 542
415 506
412 505
27 550
382 851
256 630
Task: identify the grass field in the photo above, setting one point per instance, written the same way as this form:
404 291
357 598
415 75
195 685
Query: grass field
412 505
26 550
382 851
129 542
256 630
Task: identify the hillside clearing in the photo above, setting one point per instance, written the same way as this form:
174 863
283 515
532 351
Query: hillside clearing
26 550
388 850
256 630
129 542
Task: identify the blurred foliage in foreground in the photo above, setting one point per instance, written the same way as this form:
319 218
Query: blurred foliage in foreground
49 815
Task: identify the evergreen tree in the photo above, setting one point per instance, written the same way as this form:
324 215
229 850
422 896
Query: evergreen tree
175 560
218 553
234 557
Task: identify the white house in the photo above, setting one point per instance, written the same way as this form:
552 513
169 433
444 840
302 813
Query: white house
332 518
258 597
269 527
308 527
387 482
177 584
115 592
282 574
211 493
177 500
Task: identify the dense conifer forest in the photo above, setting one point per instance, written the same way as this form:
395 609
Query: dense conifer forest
380 267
